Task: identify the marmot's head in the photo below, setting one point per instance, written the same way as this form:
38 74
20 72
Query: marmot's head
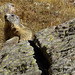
12 19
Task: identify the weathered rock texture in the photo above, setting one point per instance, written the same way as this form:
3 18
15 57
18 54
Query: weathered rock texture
18 59
58 46
7 8
52 53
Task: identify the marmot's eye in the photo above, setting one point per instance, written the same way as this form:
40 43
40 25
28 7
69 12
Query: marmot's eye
12 15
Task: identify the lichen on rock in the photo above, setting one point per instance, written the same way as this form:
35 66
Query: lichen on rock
58 46
18 59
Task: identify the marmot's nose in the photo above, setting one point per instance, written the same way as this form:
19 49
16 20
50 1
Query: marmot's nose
5 16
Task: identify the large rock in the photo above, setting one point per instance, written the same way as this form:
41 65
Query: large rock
58 46
7 8
18 59
52 53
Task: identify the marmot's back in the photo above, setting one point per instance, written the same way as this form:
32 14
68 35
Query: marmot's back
13 27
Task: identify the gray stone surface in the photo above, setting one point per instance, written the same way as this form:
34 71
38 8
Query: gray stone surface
11 41
58 46
7 8
18 59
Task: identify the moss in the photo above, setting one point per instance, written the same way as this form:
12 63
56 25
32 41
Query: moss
66 74
33 62
51 37
6 72
27 67
8 67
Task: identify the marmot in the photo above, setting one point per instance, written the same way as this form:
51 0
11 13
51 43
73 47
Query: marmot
13 27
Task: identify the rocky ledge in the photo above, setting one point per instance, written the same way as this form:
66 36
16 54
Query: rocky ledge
52 52
18 59
58 46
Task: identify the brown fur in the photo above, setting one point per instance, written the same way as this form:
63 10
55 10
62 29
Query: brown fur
8 32
23 32
11 30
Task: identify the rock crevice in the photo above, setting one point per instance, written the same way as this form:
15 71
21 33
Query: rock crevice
58 46
52 52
